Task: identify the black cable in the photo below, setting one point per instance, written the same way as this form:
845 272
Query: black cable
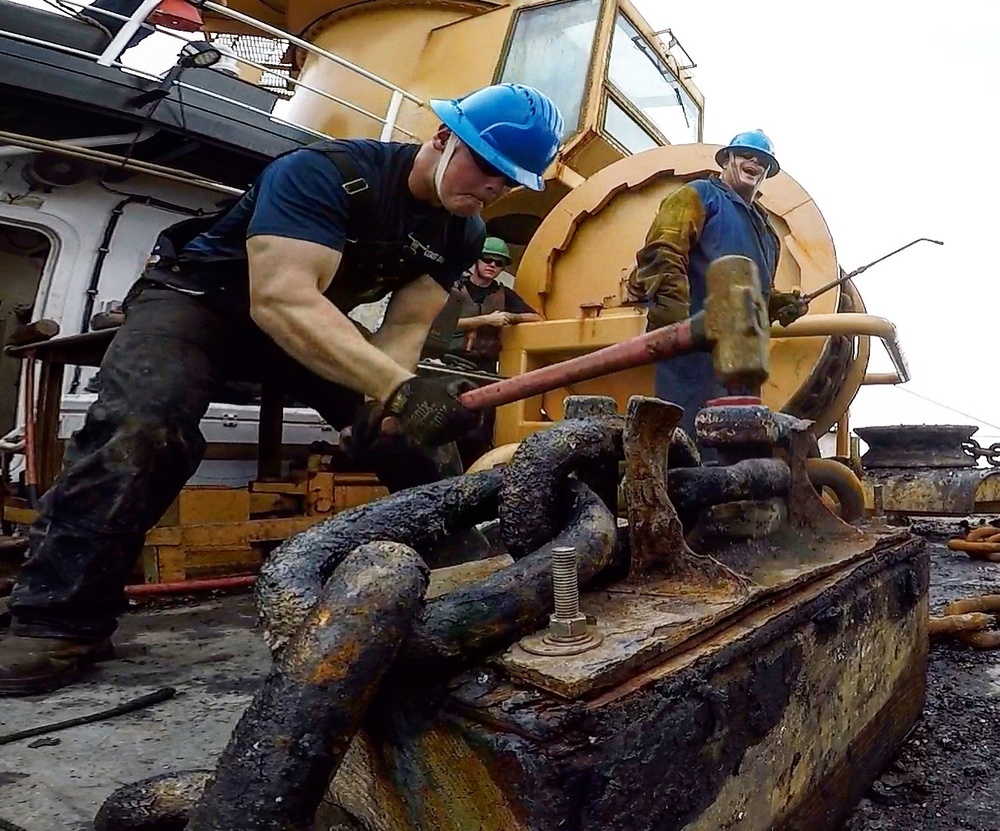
172 79
155 202
143 701
180 106
127 155
946 407
104 248
161 695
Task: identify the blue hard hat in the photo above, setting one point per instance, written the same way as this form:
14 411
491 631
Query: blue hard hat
514 127
754 141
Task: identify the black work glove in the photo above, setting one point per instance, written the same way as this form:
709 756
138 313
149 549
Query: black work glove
429 410
365 430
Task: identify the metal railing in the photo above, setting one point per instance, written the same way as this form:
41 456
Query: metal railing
850 324
395 100
269 56
137 20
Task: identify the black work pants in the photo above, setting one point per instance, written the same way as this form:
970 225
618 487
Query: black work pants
139 445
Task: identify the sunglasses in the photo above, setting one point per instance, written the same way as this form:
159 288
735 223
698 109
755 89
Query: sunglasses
492 261
488 169
753 157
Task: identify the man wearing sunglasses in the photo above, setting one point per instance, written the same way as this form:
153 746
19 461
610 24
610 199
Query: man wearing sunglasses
261 292
701 221
480 306
469 329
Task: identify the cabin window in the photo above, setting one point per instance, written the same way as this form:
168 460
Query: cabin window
625 130
24 253
641 76
551 49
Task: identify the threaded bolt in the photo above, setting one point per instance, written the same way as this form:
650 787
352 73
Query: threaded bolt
878 519
565 582
568 632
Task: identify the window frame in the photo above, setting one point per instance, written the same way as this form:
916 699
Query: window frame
622 100
614 95
592 64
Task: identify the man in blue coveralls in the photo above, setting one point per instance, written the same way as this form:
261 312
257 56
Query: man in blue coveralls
266 287
698 223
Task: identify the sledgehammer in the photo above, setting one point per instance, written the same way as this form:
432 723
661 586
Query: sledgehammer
733 326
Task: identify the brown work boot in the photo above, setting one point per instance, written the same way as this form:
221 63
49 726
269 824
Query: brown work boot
29 666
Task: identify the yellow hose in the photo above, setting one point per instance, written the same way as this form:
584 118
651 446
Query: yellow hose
827 473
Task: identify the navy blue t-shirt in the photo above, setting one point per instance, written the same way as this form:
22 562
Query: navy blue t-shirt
301 196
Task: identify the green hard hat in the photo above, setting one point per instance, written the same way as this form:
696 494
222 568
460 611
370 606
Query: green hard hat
496 247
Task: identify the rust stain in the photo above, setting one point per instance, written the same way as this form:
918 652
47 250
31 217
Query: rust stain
461 793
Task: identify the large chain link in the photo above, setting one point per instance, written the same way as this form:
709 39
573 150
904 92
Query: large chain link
977 451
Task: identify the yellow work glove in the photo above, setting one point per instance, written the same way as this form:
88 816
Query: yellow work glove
786 306
665 311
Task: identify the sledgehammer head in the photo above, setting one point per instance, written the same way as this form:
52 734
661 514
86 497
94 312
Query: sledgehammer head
736 323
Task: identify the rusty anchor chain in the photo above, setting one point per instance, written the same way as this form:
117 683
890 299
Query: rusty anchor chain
328 665
974 449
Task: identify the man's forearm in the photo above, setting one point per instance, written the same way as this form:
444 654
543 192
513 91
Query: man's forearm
402 343
466 324
661 271
323 339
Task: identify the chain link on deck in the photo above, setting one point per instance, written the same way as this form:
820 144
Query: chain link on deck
977 451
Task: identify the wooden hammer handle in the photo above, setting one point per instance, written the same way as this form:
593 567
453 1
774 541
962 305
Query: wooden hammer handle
676 339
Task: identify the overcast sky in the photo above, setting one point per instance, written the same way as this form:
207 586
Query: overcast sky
886 113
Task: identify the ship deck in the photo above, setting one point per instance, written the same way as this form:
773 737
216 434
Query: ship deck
209 651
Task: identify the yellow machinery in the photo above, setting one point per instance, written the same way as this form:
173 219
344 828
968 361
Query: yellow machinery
634 123
817 364
634 127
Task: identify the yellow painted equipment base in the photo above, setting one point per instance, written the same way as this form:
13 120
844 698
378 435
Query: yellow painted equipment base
212 531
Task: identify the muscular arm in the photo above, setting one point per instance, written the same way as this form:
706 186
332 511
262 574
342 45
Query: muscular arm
408 320
287 281
661 272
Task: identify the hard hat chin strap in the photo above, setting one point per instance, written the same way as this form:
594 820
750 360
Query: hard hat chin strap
442 165
760 181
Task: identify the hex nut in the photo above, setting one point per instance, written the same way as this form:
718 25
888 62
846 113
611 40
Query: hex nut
572 627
